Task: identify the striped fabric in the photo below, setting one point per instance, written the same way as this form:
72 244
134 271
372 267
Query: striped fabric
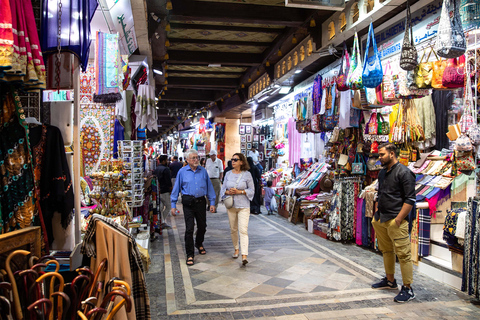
424 232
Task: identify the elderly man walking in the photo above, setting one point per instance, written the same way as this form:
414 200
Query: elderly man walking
194 184
214 168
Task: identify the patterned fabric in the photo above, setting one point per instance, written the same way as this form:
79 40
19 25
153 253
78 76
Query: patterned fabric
414 239
139 289
424 232
335 213
16 174
25 62
87 84
359 220
347 211
145 108
96 135
107 68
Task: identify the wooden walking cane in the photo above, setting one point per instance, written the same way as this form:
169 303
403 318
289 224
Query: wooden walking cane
16 298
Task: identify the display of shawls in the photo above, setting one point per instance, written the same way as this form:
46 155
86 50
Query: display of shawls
108 68
146 114
75 26
52 174
21 57
16 174
470 274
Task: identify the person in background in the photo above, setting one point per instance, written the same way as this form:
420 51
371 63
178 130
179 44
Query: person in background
254 154
162 172
214 168
396 198
255 202
228 168
202 162
174 167
194 184
269 194
239 184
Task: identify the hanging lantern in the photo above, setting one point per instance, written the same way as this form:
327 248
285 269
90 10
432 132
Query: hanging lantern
242 86
167 27
229 95
294 40
258 72
169 5
163 92
279 53
268 63
167 43
165 82
249 79
312 23
166 75
221 100
166 57
236 91
165 88
166 67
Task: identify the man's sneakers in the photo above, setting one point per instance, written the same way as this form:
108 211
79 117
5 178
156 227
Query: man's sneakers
385 284
406 294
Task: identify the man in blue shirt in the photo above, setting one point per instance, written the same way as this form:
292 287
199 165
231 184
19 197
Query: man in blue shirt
194 184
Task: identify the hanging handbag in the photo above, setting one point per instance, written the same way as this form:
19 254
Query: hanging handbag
454 73
451 42
404 156
374 147
330 119
359 166
228 201
383 126
464 161
355 73
372 74
437 73
342 77
316 123
372 124
463 143
423 72
467 120
388 89
408 55
355 116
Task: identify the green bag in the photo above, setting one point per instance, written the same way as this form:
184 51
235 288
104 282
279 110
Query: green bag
383 126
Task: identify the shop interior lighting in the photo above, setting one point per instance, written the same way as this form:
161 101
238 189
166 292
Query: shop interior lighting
213 65
298 70
159 72
284 90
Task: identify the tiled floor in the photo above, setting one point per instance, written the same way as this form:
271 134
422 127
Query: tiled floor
291 274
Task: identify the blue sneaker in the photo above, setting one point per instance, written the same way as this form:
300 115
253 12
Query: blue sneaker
405 295
385 284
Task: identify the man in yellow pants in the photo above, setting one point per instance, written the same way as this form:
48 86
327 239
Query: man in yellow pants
396 197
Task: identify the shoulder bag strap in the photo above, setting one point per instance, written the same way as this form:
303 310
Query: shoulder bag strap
239 178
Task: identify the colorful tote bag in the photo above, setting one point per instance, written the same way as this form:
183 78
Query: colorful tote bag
451 42
355 74
388 88
359 166
372 74
342 77
408 55
454 73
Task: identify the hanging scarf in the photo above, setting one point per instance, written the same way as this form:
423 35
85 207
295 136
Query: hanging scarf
107 68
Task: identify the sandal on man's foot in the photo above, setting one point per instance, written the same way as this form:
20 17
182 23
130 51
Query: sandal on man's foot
190 261
202 250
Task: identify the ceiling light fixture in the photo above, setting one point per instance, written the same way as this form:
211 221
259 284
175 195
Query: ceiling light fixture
155 17
214 65
159 72
169 5
297 71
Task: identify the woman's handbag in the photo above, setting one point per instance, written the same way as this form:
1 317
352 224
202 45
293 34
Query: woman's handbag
372 125
463 143
359 166
355 74
424 73
388 88
408 55
451 42
437 74
383 126
342 77
228 201
454 73
372 74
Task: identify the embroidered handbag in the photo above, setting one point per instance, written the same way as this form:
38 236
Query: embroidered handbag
404 156
463 143
316 123
474 134
372 124
388 89
408 55
355 73
451 42
342 77
464 161
359 167
330 119
383 126
437 74
454 73
372 74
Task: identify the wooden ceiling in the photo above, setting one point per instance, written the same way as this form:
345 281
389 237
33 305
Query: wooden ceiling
237 37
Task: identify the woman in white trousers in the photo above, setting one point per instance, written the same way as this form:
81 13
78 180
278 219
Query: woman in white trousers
238 183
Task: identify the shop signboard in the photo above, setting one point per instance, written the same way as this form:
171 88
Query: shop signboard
336 5
425 25
122 17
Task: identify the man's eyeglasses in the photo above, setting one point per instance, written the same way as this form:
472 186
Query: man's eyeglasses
235 159
194 158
